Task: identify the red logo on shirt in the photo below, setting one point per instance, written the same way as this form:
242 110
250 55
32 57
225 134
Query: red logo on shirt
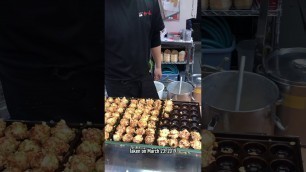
145 13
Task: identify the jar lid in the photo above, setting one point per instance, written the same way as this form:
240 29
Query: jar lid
287 65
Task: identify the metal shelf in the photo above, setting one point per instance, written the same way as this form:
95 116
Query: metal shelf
184 62
254 11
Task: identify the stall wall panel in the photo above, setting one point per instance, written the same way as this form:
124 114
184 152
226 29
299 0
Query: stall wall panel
292 33
188 10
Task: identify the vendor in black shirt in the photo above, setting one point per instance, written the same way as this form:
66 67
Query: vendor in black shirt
132 31
51 59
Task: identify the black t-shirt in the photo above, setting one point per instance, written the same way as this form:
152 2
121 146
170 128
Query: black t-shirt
132 28
39 38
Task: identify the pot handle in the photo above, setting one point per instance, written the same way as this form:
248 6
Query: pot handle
260 69
212 124
191 96
275 118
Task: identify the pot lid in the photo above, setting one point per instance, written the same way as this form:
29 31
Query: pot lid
287 65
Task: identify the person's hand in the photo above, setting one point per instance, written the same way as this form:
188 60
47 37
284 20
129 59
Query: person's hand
157 73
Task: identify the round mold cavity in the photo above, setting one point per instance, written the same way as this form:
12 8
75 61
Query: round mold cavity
193 107
164 127
193 112
184 106
281 151
176 107
255 164
197 129
165 122
283 166
175 122
227 163
254 149
185 127
185 117
228 147
175 111
176 116
195 118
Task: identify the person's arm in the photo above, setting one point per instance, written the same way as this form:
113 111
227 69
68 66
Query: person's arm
156 53
157 26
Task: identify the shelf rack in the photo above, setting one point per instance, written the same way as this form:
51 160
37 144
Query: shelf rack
254 11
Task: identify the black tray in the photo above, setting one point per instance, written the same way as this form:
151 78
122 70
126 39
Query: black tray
72 144
269 151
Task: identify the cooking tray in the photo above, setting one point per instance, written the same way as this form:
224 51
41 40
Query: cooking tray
72 144
186 114
144 135
256 153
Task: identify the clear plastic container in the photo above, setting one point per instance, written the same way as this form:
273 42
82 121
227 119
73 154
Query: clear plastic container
204 4
119 157
243 4
220 4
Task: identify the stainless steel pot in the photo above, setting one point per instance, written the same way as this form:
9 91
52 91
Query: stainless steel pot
257 109
287 67
184 95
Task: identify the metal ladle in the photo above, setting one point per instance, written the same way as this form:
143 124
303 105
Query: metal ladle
240 83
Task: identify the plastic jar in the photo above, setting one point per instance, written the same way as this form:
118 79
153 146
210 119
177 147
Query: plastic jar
167 56
220 4
204 4
181 57
174 56
243 4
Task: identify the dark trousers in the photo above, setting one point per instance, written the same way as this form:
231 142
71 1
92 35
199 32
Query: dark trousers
77 99
143 88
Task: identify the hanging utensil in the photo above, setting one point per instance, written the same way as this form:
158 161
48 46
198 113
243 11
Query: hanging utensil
302 7
180 89
240 82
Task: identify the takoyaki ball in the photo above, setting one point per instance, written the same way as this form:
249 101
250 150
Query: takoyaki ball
173 143
140 131
130 130
162 141
111 121
109 128
55 145
92 134
18 160
138 139
149 139
99 165
2 127
195 135
8 145
150 131
184 134
174 134
117 137
17 130
164 132
89 148
29 146
80 163
153 118
142 123
127 138
152 124
196 144
40 132
120 129
133 123
63 132
184 144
